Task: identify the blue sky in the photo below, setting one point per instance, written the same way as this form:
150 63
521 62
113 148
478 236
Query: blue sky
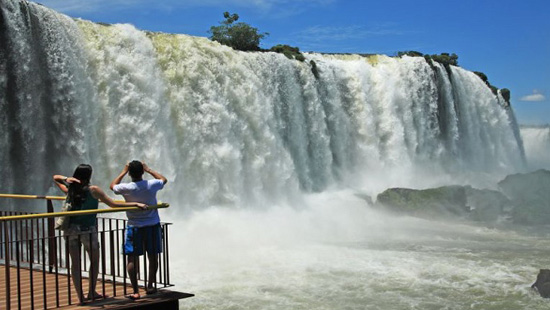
508 40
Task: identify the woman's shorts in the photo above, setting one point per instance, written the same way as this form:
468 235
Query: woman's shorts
138 238
85 235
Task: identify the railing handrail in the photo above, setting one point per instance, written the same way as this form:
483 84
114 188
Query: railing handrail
20 196
77 212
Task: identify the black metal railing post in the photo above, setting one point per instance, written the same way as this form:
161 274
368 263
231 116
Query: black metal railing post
18 272
7 264
52 258
31 278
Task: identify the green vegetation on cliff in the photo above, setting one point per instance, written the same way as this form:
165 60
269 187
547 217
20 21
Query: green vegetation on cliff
240 36
504 92
289 51
445 59
243 37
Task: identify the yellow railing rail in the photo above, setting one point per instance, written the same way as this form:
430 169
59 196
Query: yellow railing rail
74 213
17 196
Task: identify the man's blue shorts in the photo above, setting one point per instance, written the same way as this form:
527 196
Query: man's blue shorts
138 238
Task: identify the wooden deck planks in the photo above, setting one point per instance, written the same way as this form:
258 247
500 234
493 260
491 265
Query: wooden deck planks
57 292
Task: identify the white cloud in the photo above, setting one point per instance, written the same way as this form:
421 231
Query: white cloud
79 6
534 97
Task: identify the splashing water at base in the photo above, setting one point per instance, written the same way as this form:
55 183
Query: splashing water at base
537 146
337 252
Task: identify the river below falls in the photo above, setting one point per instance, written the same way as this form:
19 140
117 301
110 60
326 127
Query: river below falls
344 254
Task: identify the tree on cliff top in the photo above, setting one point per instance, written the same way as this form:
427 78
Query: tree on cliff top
240 36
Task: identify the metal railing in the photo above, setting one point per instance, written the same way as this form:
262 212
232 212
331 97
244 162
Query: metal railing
36 261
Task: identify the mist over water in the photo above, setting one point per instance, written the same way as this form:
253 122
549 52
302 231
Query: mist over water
269 165
338 253
537 146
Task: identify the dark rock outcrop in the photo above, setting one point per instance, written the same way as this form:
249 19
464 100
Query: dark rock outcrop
530 195
446 201
454 201
542 285
487 205
523 199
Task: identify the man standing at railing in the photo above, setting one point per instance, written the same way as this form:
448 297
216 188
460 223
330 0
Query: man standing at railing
143 230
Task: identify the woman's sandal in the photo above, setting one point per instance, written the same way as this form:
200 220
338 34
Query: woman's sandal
134 296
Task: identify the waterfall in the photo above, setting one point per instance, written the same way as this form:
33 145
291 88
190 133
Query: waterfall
234 128
536 140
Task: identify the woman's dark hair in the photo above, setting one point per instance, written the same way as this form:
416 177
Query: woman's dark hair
77 191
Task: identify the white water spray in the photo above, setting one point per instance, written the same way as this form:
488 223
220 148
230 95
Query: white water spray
537 146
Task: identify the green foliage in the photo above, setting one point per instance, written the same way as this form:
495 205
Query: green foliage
240 36
446 59
429 60
482 76
289 51
505 92
410 53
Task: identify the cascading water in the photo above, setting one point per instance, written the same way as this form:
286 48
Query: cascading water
268 155
231 127
536 140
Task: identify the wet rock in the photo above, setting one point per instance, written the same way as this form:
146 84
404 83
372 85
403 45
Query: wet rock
365 197
462 202
530 195
542 285
488 205
446 201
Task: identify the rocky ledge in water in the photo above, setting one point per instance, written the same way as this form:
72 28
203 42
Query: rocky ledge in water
521 198
542 285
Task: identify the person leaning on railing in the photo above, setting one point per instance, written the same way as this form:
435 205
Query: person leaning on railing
83 228
143 230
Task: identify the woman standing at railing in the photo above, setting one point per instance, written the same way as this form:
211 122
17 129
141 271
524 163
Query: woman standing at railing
83 228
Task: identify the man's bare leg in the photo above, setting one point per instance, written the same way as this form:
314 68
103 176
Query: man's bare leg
153 267
133 267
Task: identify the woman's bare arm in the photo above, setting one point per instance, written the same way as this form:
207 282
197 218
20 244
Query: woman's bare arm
62 181
98 193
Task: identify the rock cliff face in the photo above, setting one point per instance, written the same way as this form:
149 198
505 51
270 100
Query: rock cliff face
530 195
522 199
435 202
542 285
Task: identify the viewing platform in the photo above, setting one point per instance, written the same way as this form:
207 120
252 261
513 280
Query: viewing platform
35 269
